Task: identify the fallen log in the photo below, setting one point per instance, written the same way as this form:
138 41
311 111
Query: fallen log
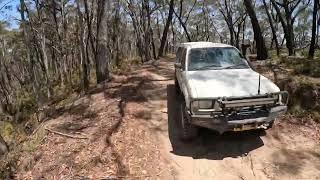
66 135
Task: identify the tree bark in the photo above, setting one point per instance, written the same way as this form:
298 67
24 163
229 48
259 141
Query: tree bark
150 31
83 54
102 52
314 29
166 29
262 52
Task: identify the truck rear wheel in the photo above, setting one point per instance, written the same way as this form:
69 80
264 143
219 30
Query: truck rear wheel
189 131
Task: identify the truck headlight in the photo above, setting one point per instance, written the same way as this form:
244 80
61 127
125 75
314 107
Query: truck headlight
201 104
205 104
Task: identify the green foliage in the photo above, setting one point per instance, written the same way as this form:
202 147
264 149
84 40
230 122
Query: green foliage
26 101
308 67
35 141
7 130
317 54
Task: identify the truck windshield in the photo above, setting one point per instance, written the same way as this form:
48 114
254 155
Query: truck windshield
215 58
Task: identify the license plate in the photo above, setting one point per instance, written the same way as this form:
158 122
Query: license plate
245 127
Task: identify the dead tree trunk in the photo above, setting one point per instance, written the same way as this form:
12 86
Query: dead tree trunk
262 52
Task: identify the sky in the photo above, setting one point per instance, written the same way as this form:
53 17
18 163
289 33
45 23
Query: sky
9 13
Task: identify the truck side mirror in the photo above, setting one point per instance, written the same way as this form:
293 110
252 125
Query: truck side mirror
178 65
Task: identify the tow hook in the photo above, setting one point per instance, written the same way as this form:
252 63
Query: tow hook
263 126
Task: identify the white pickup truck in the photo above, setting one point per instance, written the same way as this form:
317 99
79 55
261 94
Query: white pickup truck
219 90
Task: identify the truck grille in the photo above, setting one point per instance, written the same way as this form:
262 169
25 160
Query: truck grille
242 115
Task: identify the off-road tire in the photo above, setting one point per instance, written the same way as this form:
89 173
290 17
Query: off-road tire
188 131
176 86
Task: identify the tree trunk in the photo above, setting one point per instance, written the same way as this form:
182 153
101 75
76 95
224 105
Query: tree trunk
184 27
102 53
290 40
166 29
231 30
262 52
3 146
150 31
146 29
46 66
173 38
286 25
273 30
83 55
314 29
317 34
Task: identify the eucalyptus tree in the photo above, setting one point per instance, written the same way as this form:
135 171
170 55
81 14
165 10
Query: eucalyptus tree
287 17
262 52
140 12
314 27
183 15
234 15
166 28
272 27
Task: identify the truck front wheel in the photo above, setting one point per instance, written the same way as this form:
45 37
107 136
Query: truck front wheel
189 131
176 86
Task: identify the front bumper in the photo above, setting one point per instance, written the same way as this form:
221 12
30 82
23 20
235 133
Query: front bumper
223 124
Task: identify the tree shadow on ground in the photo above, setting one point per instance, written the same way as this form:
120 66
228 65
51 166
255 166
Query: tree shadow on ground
209 144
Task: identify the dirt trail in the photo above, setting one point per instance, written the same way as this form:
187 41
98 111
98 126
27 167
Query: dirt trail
131 131
287 151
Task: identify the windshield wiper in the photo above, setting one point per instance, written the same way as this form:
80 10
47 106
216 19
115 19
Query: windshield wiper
208 66
233 66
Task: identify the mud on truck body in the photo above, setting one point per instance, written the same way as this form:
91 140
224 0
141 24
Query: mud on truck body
219 90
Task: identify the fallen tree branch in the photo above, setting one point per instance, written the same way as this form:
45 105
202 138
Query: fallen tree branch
168 79
66 135
40 125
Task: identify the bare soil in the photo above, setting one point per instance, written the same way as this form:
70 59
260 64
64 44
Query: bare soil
132 132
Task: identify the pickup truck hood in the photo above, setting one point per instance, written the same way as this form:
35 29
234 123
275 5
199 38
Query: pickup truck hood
227 82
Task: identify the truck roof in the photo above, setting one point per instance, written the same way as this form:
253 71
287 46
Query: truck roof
202 44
